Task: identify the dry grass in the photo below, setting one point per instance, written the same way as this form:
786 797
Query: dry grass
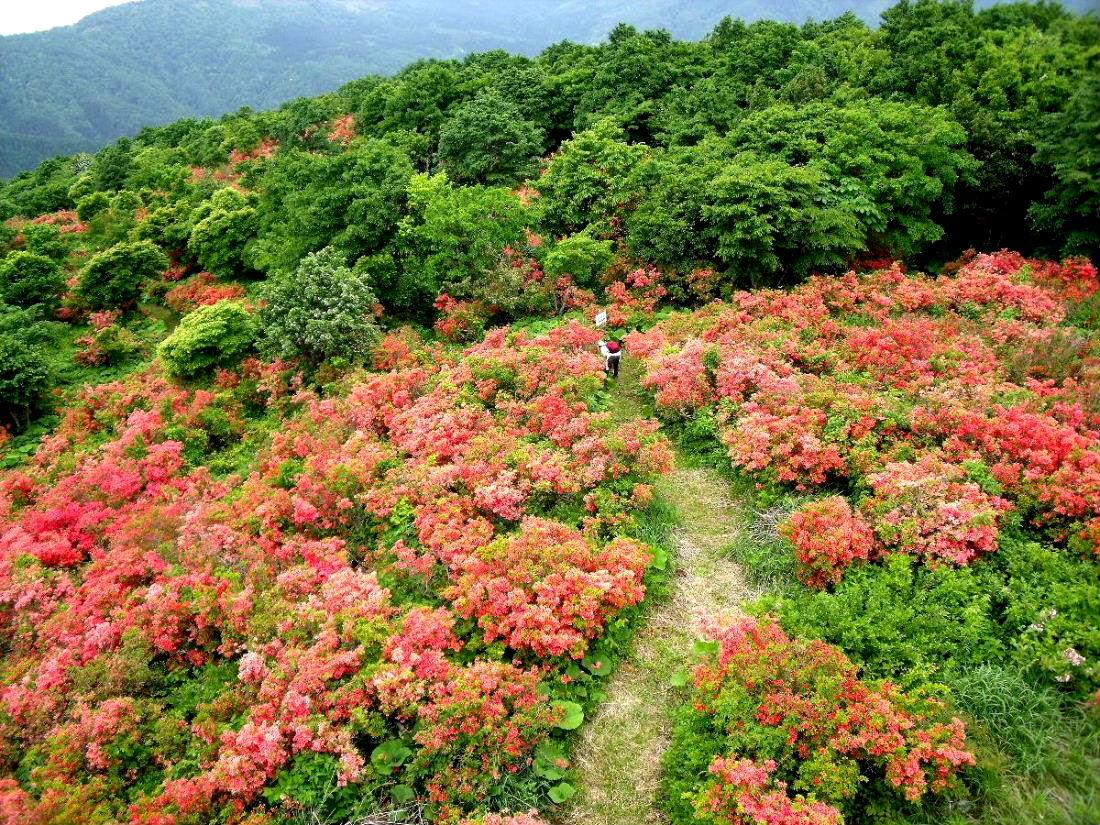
619 755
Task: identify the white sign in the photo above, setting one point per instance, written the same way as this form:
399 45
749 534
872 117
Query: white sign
601 319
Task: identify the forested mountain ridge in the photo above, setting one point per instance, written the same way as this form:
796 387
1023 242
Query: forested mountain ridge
77 87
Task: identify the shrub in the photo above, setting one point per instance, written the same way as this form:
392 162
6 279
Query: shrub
828 537
930 509
319 311
212 336
581 256
45 239
902 620
114 278
794 716
109 345
90 206
27 278
202 290
1052 611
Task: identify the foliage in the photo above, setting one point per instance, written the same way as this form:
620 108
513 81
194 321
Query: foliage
380 603
216 335
488 141
115 277
585 183
899 386
222 229
27 278
451 233
801 736
320 310
25 377
351 201
580 257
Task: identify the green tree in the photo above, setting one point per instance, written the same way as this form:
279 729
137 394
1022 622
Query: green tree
218 335
223 228
113 165
25 378
113 279
91 205
452 233
45 239
488 141
768 221
320 310
27 278
352 201
895 165
1071 147
581 256
586 183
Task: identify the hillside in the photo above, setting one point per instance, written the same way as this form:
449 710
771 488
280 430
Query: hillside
78 87
323 502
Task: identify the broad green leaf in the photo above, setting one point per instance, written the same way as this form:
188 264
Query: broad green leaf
389 755
680 678
573 715
562 792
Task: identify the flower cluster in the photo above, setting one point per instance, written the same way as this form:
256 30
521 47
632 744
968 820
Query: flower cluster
795 715
388 580
828 536
201 290
941 403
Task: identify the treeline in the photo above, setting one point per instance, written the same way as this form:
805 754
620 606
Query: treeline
766 151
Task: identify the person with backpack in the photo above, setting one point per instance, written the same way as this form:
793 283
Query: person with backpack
612 351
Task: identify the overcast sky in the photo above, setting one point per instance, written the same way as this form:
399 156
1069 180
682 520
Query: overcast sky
20 16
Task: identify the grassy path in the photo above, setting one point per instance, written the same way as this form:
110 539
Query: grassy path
618 757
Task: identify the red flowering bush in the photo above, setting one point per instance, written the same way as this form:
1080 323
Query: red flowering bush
461 320
926 393
930 510
203 289
828 537
744 793
373 593
804 738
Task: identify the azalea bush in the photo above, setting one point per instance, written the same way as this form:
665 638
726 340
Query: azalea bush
245 600
906 393
783 729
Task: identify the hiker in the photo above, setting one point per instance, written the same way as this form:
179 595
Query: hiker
612 351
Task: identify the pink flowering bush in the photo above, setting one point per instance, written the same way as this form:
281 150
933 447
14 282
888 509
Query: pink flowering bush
802 737
928 400
931 510
379 599
828 537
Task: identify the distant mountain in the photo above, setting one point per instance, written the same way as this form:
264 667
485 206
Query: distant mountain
78 87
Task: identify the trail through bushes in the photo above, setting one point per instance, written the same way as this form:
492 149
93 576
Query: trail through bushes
618 758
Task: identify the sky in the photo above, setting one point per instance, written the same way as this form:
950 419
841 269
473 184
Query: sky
18 16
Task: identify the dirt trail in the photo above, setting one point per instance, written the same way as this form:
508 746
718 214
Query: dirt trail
618 758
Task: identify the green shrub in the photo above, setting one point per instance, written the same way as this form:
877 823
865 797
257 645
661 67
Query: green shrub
321 310
212 336
581 256
92 205
901 619
27 278
1052 612
45 239
114 278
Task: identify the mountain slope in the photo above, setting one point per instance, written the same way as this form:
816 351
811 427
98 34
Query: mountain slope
77 87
